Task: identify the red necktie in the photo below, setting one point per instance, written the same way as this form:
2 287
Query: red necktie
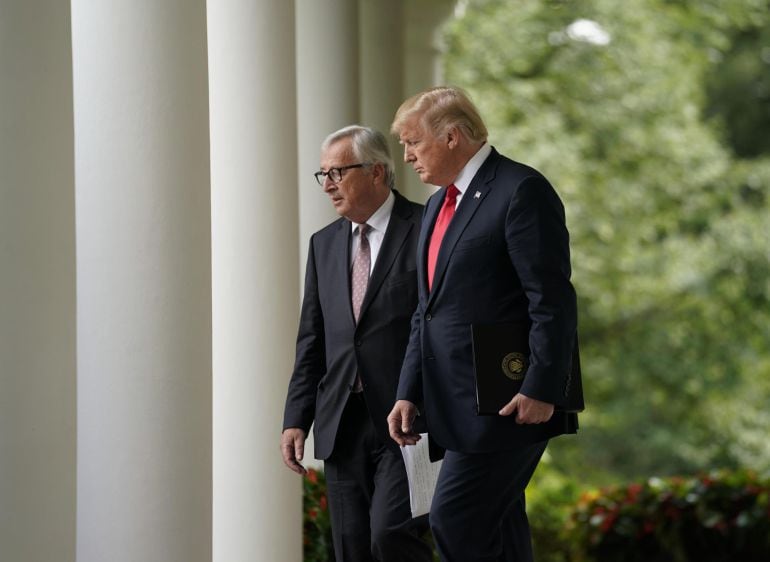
442 222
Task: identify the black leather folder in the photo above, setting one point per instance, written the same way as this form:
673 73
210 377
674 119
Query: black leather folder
500 364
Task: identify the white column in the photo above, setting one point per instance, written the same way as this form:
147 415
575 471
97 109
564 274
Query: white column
382 70
257 501
328 97
144 281
423 21
37 284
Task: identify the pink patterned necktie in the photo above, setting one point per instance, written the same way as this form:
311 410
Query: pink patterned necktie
359 277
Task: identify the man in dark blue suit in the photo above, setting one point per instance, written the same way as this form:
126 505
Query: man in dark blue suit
493 249
360 292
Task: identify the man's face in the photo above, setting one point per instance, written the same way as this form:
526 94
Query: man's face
430 155
355 196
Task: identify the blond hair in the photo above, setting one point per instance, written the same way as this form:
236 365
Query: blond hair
440 108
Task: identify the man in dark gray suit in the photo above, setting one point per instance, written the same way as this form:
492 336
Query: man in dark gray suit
360 292
493 250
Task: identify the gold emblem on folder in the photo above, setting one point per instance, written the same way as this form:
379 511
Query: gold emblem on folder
515 366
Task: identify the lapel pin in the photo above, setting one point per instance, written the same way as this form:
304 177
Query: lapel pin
477 195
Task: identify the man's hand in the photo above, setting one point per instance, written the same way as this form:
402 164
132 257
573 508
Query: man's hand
400 422
293 448
528 410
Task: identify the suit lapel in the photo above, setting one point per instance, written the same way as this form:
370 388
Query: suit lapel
469 204
433 206
395 235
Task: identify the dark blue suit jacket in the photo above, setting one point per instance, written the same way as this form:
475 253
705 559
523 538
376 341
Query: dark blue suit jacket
332 348
504 258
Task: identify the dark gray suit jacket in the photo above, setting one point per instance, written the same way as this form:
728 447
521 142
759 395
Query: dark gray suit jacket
331 348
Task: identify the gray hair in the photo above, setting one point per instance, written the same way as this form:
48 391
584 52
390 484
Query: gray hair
369 145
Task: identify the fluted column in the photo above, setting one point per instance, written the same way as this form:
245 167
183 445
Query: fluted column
37 284
257 501
328 97
144 281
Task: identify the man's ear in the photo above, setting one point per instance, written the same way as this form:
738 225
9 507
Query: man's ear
452 137
378 171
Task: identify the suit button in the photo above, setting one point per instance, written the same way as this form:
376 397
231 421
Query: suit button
428 317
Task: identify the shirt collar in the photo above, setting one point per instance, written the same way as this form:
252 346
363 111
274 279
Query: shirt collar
379 220
464 178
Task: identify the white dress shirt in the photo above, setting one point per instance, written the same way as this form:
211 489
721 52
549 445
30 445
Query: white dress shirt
463 180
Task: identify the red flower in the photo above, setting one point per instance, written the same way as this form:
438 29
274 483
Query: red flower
312 476
312 513
608 522
322 503
633 492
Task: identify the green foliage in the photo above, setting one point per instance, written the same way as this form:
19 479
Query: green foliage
550 499
717 517
720 517
637 121
739 92
316 522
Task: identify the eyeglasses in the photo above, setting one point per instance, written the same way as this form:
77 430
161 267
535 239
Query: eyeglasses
335 174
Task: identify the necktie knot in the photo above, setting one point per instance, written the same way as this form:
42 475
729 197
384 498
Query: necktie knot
451 194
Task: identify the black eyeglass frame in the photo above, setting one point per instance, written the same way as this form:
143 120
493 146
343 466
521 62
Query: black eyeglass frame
335 174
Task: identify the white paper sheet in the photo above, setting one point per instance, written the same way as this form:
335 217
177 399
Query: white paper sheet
422 475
